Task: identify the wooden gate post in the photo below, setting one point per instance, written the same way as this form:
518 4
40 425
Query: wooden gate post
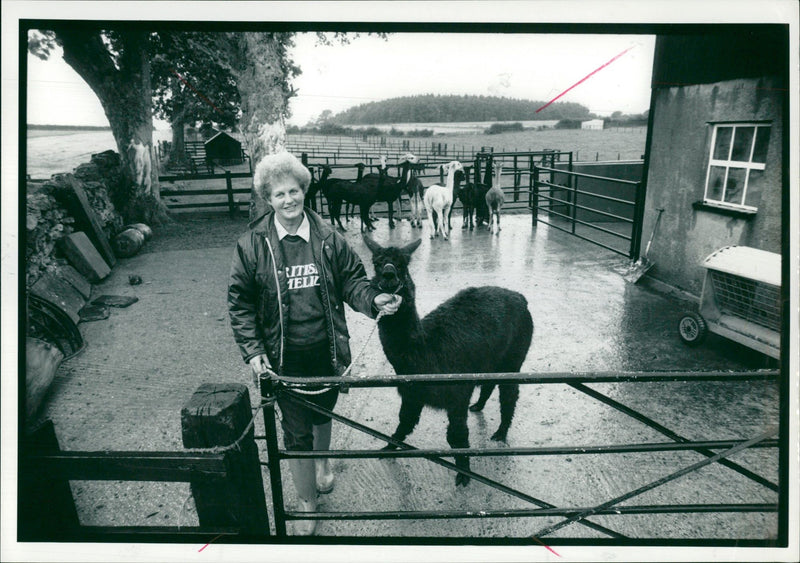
45 507
217 415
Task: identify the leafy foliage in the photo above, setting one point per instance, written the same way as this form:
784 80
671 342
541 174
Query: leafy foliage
429 108
191 82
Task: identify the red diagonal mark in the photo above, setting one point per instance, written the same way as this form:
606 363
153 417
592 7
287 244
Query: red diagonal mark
584 79
547 547
202 97
219 536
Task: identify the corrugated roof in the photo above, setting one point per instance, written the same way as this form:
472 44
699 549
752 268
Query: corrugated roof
747 262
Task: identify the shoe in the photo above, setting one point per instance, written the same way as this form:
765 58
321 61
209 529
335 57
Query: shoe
306 527
324 476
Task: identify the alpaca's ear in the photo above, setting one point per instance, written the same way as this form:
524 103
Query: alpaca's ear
371 244
409 249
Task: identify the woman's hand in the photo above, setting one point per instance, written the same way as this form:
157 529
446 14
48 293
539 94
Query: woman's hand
260 366
387 303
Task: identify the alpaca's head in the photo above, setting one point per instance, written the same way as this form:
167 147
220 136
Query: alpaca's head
391 266
498 171
452 167
408 157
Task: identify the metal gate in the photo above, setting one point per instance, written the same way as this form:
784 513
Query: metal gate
601 210
714 451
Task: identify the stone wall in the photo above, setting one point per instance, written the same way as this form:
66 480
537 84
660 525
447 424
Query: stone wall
50 214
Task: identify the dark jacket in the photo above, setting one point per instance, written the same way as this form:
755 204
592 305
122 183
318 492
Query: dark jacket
258 293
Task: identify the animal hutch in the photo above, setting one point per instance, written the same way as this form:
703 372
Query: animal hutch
740 300
224 150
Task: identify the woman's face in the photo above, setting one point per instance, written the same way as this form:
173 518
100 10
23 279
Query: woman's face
287 199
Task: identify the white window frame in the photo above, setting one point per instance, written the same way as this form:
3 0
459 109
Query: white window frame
728 164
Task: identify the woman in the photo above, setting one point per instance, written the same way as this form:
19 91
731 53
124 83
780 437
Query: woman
290 277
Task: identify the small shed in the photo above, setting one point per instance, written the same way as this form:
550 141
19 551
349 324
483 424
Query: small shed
224 149
592 124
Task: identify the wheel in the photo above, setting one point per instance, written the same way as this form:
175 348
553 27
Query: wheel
692 329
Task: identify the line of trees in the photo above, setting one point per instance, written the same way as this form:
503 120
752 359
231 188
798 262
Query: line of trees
430 108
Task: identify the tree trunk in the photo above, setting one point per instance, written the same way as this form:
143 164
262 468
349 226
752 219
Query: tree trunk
177 155
259 75
177 152
124 90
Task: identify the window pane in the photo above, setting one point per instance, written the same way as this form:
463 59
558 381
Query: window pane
742 143
762 141
754 188
735 186
723 144
715 179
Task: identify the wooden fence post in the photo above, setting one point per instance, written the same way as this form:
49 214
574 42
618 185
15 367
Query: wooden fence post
217 415
229 187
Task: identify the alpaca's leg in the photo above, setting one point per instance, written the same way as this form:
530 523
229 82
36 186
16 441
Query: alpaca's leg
336 214
486 392
391 215
458 437
365 220
410 412
464 222
445 228
432 218
509 394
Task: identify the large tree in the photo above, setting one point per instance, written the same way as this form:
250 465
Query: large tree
116 66
263 71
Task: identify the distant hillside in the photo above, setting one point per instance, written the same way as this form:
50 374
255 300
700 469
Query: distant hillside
429 108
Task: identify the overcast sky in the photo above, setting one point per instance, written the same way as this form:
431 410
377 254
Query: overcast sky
525 66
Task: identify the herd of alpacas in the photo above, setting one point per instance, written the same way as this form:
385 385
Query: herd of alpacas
482 200
447 340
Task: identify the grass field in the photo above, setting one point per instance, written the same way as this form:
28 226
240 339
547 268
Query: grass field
607 144
54 151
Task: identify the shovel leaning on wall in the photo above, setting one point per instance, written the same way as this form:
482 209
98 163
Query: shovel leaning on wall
643 264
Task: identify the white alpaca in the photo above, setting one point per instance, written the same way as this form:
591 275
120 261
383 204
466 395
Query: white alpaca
438 199
495 199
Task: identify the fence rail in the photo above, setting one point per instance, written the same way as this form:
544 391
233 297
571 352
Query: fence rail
222 469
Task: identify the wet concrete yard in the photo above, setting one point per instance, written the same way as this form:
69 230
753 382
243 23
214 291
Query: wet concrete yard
126 389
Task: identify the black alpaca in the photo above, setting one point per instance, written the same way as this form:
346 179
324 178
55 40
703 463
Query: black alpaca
481 188
467 196
479 330
313 189
386 188
337 190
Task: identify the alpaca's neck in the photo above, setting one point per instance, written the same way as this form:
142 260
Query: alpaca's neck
402 334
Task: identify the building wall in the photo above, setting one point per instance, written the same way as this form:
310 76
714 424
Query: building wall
592 124
681 137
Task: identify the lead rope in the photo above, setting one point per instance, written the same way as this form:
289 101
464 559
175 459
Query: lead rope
289 384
